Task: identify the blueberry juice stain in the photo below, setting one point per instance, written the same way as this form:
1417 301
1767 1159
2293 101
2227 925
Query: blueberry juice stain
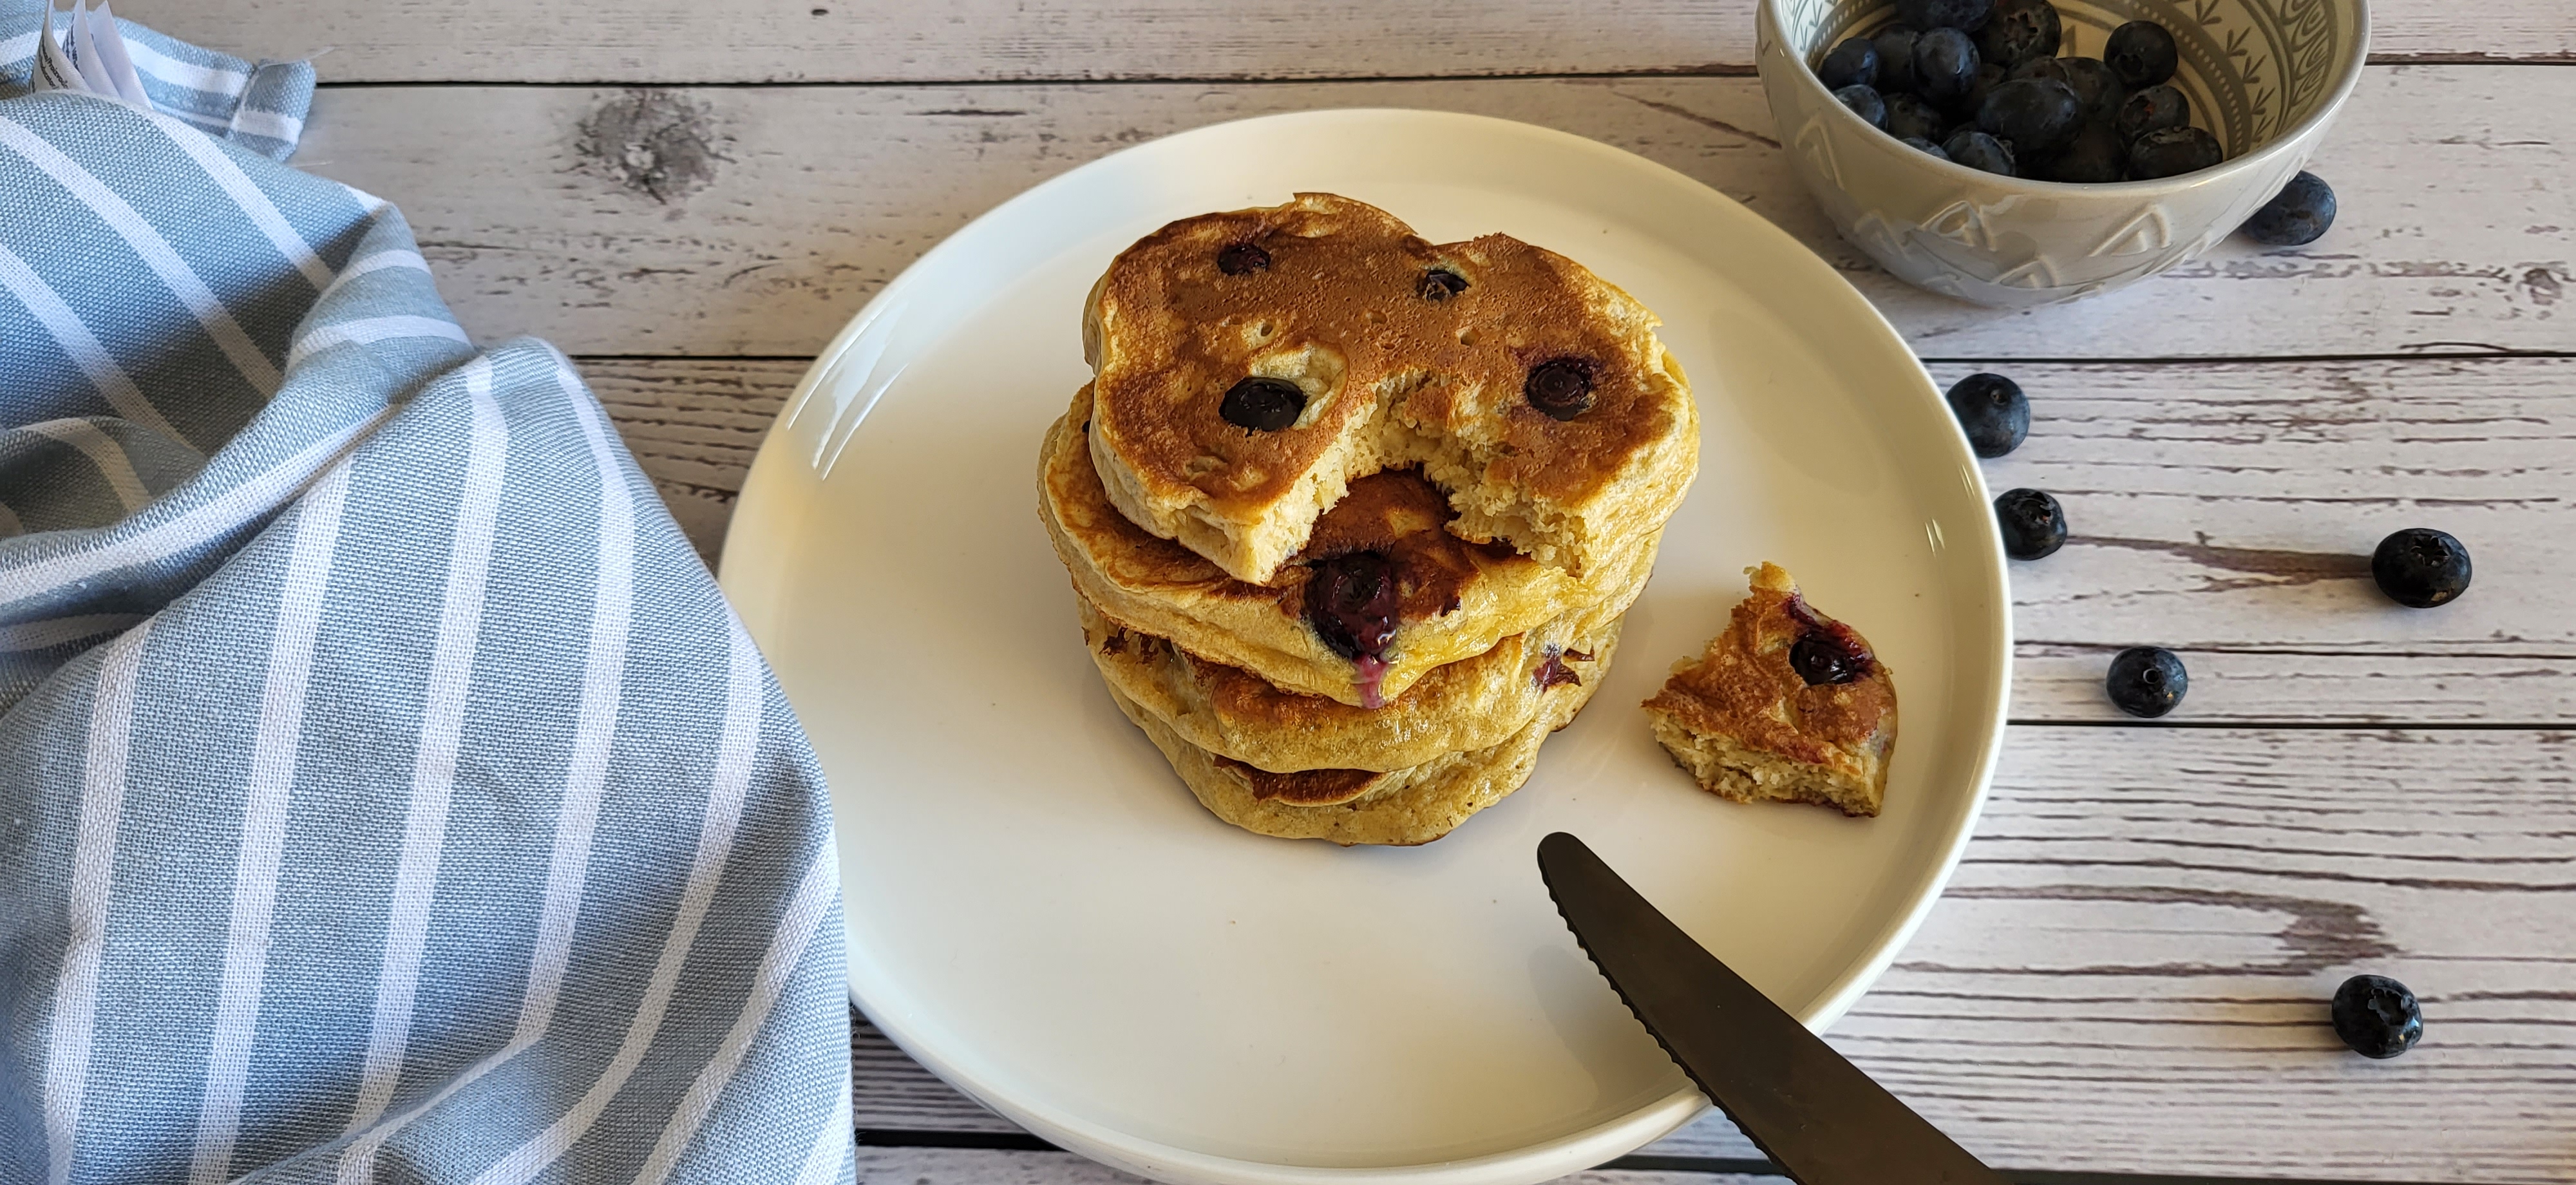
1351 601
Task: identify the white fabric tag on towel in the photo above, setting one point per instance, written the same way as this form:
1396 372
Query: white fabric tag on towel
96 62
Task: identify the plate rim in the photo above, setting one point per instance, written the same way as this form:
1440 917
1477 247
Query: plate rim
1530 1163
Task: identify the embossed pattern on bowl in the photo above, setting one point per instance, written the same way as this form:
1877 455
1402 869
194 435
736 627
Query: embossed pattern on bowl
2265 76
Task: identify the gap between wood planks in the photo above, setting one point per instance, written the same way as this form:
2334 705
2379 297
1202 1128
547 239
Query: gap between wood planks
1710 70
1756 1170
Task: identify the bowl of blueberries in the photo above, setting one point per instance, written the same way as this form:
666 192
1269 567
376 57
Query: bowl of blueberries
2017 153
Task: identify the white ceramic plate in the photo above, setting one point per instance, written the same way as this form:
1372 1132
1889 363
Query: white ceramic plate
1039 911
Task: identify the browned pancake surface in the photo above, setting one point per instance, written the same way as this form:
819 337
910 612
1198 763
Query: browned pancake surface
1348 277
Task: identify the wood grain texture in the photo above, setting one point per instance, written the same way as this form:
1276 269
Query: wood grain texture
2128 973
755 221
674 41
2224 510
961 1166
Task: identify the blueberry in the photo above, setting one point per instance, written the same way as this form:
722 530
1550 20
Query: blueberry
2142 52
2296 216
2042 68
2173 152
1895 58
1977 150
1439 284
2089 82
2097 88
1865 103
1351 600
1262 404
1945 65
2032 524
2420 568
1964 15
1989 76
1920 144
1560 387
2146 681
2037 115
1910 117
2096 155
1993 412
1854 62
2018 31
2153 110
1832 654
2376 1016
1241 258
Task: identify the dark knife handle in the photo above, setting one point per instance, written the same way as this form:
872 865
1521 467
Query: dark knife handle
1814 1113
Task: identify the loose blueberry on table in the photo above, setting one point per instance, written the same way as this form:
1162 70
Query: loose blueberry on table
2377 1017
2033 525
2420 568
2296 216
2146 681
1993 412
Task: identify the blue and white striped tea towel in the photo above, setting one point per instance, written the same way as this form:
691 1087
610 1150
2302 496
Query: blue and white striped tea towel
386 791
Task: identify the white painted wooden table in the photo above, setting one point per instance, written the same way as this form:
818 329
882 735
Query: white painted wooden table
2127 975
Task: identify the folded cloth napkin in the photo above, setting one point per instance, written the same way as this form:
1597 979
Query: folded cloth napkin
386 791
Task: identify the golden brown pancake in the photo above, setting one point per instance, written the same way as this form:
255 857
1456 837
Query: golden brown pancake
1533 393
1788 704
1474 703
1408 806
1452 599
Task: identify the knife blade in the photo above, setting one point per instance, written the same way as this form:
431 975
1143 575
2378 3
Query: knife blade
1815 1114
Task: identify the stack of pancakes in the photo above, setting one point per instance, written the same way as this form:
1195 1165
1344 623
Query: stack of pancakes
1352 518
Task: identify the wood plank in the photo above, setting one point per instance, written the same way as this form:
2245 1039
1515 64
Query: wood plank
673 41
2129 971
2225 510
752 221
965 1166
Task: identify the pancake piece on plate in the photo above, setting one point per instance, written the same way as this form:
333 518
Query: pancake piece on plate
1250 366
1788 704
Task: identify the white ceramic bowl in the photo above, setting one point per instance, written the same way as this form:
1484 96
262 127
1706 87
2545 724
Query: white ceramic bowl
2264 76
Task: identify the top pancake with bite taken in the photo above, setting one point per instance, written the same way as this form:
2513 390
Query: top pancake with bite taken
1251 365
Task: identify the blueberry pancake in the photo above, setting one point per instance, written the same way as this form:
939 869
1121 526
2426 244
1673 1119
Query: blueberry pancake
1380 595
1408 806
1474 703
1788 705
1251 366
